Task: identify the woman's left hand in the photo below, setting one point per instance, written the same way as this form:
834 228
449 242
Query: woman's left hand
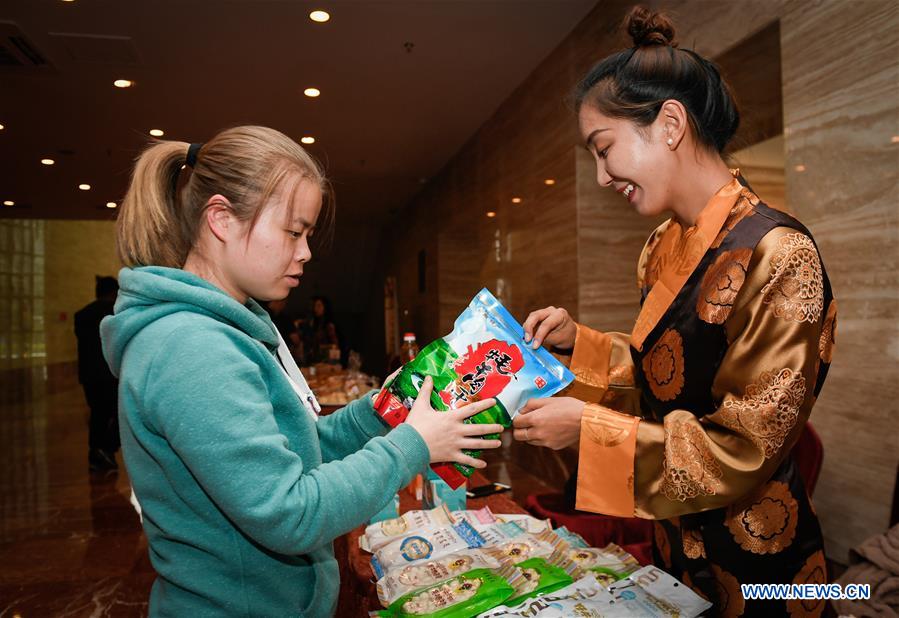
554 422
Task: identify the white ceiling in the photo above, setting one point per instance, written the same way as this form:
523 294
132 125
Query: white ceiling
387 119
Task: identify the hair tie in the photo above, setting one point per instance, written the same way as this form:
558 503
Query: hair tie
192 152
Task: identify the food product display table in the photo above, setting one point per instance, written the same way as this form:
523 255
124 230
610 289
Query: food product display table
357 582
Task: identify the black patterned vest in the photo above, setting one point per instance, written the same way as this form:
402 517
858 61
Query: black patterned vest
702 343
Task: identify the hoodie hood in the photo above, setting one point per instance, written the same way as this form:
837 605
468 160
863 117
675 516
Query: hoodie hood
149 293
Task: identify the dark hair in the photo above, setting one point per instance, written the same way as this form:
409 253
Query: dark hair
635 82
105 286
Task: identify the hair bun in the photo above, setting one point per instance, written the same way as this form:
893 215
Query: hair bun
649 28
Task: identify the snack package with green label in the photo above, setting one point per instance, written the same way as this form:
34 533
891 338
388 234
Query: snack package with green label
463 596
542 576
484 357
403 579
526 545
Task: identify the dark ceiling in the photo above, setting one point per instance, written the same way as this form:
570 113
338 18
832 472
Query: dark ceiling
404 84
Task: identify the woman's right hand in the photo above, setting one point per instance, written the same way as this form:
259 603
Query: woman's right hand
552 326
446 434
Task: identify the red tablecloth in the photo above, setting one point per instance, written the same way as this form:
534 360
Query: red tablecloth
357 582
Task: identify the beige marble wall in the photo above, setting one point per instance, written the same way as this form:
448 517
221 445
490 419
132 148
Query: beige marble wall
841 111
575 246
75 252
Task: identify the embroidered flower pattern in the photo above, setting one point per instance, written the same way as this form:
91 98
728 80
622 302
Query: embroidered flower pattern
664 366
768 525
688 469
721 284
768 410
796 288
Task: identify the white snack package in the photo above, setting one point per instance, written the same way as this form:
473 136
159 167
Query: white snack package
383 532
425 544
528 522
402 579
671 597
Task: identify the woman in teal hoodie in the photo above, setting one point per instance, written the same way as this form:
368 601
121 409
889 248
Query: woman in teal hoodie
242 486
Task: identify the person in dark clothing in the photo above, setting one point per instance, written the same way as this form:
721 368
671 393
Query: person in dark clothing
277 310
100 386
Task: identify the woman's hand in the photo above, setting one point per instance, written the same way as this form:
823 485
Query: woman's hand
446 434
552 326
554 422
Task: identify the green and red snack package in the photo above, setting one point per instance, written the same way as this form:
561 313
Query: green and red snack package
484 357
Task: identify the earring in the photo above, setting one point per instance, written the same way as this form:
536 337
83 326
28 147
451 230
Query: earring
670 142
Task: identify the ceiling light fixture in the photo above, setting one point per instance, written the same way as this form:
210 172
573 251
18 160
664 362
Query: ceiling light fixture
110 204
312 92
48 161
157 132
9 203
123 83
516 200
319 16
549 181
84 187
308 139
491 214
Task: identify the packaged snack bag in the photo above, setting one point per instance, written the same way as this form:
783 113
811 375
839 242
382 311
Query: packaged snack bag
485 356
424 544
497 534
477 518
526 546
607 565
528 522
584 597
572 538
381 533
403 579
460 597
542 576
659 593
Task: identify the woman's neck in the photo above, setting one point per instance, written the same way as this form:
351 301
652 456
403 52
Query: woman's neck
201 267
698 186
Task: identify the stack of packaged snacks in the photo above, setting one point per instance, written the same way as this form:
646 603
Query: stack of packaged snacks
484 357
648 592
482 562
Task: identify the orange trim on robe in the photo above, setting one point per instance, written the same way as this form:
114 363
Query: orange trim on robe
605 482
682 250
590 365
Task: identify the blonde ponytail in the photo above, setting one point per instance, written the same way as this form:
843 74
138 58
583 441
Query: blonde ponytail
147 227
157 226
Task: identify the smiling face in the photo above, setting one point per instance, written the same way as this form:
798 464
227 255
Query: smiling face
265 261
636 162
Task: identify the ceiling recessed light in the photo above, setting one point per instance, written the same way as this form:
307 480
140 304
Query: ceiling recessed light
8 203
110 204
308 139
84 187
319 16
123 83
894 139
549 181
48 161
799 168
157 132
491 214
516 200
312 92
2 127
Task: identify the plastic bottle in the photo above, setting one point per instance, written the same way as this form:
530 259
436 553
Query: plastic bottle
410 348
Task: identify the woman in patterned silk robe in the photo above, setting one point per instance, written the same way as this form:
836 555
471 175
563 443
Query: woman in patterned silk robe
690 418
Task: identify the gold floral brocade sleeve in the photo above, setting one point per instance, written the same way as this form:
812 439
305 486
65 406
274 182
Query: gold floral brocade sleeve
778 335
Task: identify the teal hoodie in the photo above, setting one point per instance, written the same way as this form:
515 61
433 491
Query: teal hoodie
242 491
